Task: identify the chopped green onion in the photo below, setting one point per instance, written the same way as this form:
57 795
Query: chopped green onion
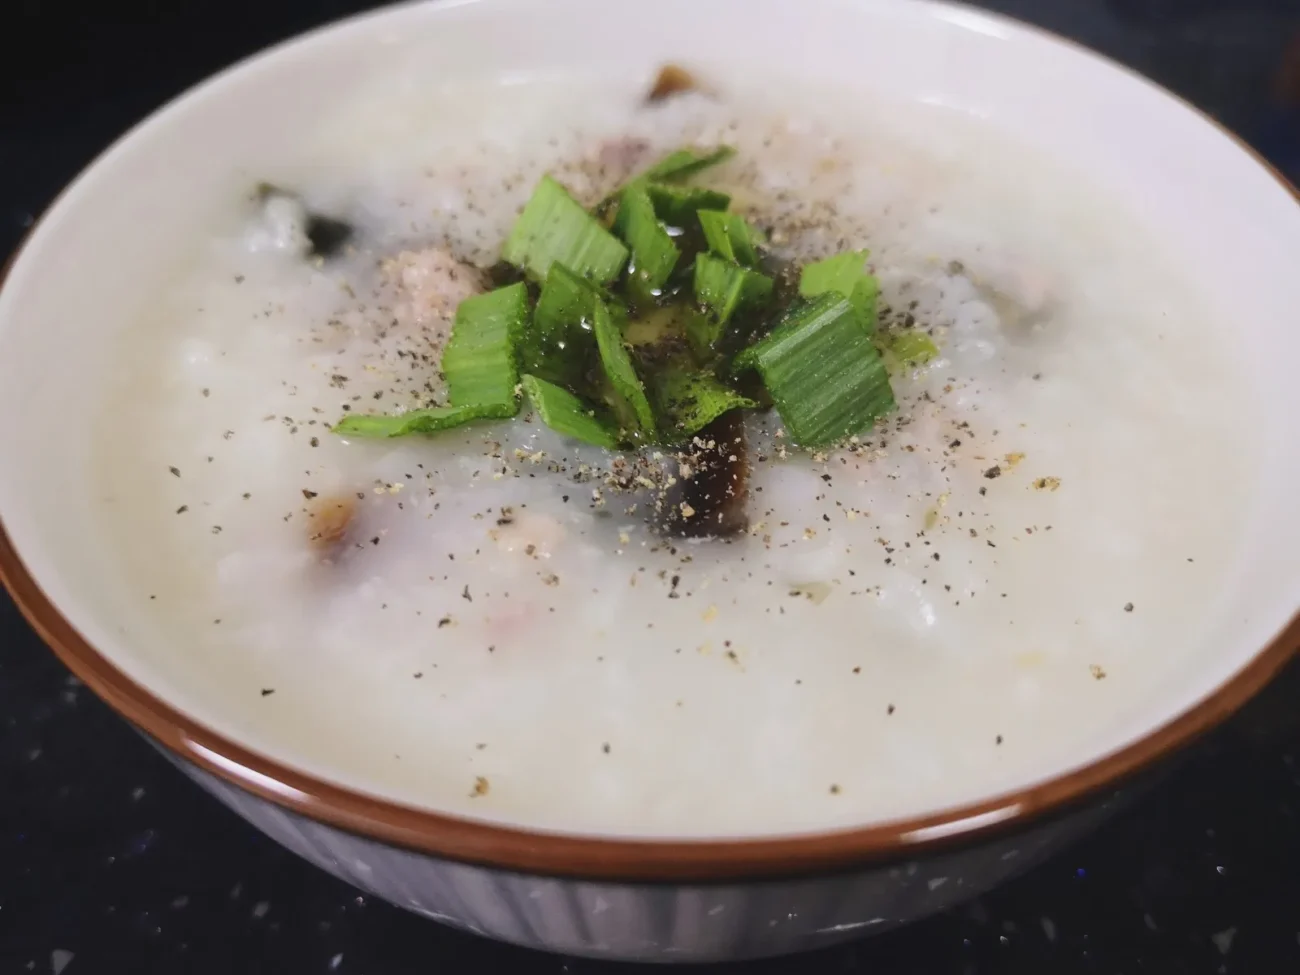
566 300
676 167
911 347
844 274
555 347
722 288
654 255
840 274
704 332
628 390
685 163
479 361
479 365
689 401
430 420
677 205
729 235
825 376
567 415
555 227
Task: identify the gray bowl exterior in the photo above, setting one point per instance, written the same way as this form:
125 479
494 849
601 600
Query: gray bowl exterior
660 922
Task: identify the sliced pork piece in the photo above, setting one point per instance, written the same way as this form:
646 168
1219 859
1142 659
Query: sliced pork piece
672 80
329 518
429 284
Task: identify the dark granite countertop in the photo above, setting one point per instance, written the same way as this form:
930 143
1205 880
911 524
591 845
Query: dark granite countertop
110 861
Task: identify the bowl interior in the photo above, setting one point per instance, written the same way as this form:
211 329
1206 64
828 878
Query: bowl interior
89 269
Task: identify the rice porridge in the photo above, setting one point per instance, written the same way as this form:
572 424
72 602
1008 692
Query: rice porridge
489 620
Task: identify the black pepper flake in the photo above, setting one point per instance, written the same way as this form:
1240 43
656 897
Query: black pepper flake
464 594
268 691
835 790
418 674
445 621
206 392
1128 607
315 441
889 709
176 471
605 748
997 740
992 472
182 509
308 494
983 491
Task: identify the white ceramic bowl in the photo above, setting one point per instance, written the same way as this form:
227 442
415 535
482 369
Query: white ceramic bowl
94 259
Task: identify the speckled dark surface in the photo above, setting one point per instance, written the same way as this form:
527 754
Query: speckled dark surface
110 861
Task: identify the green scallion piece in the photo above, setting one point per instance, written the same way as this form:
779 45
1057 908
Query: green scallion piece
479 362
688 401
566 300
844 274
654 255
910 347
677 205
554 227
431 420
729 235
722 288
840 273
675 168
567 415
685 163
824 374
638 418
557 345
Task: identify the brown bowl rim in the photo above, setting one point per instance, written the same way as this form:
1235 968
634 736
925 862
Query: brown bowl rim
636 860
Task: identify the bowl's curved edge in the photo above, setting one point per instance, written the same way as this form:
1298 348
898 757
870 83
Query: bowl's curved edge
630 860
550 854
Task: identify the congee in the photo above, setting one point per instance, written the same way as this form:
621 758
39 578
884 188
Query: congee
700 456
